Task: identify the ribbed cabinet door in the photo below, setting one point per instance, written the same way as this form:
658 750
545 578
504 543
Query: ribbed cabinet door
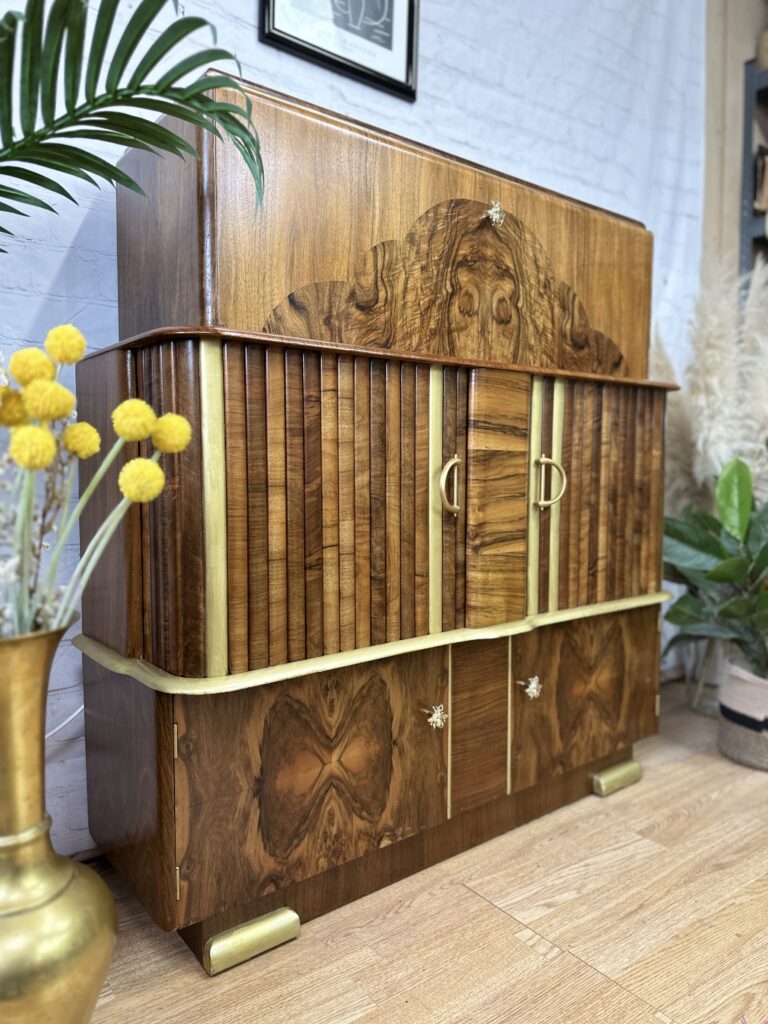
602 540
497 487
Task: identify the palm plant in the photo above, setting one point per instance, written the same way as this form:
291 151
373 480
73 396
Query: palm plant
102 100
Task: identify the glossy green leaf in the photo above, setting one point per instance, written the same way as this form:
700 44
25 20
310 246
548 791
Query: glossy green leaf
706 522
147 131
15 195
190 64
24 174
101 33
757 533
735 608
31 49
73 67
5 208
686 610
734 498
162 46
49 68
714 630
8 27
687 546
132 35
730 570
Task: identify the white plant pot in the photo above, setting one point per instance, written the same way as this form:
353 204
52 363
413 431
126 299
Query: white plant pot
743 731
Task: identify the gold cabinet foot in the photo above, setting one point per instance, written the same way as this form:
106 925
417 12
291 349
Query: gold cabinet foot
241 943
619 776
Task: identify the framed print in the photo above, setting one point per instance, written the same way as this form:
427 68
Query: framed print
374 41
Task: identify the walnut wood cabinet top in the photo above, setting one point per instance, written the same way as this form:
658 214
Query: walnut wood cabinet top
366 238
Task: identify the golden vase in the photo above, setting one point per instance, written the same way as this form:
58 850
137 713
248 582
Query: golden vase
57 920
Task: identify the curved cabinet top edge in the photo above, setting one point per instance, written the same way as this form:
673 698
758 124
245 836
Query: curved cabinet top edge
223 334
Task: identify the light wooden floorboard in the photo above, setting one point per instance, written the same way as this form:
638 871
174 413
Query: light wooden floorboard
650 906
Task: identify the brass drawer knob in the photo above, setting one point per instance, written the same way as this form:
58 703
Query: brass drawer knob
557 468
531 687
437 717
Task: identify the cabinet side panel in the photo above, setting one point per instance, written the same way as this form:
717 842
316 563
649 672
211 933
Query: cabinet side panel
497 509
129 756
479 673
112 602
158 240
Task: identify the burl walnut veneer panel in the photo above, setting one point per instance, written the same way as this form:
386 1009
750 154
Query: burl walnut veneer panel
599 679
278 783
366 238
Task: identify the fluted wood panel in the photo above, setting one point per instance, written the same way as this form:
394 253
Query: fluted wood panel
327 505
497 510
610 515
172 525
454 426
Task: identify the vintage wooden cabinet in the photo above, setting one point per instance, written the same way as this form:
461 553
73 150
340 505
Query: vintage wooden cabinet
401 593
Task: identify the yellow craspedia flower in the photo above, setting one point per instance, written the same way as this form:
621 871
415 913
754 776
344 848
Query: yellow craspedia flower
171 433
141 480
133 420
32 447
65 344
81 439
47 400
30 364
12 412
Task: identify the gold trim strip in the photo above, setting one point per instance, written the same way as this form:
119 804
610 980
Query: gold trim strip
449 773
244 941
533 512
558 406
509 715
435 531
214 506
156 679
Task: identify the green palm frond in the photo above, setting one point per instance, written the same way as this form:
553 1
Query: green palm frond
56 96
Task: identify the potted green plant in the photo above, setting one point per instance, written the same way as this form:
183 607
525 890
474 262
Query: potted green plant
723 562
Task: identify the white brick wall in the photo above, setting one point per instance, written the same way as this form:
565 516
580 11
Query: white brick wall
599 99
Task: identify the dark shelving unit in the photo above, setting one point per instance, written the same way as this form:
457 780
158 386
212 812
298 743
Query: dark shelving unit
754 225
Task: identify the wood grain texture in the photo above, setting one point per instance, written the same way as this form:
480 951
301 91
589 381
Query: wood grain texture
407 500
236 447
362 487
313 505
421 503
479 723
258 552
392 505
497 510
457 283
294 505
112 605
346 400
329 419
550 243
599 679
129 755
610 526
462 424
343 763
449 520
277 541
172 526
378 502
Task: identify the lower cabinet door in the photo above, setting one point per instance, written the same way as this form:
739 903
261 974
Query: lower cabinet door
582 690
278 783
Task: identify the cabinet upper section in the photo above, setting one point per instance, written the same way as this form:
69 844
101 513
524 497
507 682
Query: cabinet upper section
367 239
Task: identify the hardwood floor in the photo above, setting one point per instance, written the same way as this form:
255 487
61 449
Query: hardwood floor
649 906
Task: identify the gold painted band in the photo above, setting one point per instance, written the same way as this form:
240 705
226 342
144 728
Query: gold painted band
157 679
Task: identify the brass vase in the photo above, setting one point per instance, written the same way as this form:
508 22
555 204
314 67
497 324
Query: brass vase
57 920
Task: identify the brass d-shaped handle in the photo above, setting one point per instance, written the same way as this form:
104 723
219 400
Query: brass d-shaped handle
450 506
543 462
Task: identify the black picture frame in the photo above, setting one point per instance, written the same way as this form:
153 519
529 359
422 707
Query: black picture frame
405 89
